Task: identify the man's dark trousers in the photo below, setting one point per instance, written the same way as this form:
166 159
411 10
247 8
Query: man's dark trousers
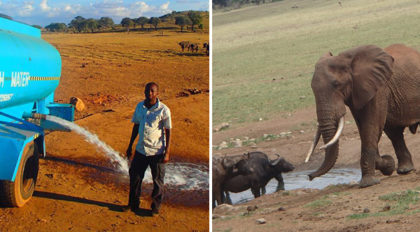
137 169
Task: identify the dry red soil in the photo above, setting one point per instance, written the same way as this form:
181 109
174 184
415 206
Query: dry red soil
77 188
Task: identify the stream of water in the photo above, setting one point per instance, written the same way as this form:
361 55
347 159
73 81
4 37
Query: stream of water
183 176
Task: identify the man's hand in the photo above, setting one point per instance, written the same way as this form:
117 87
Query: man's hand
166 159
129 152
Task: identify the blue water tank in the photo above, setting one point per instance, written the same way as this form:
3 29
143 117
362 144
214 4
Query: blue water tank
30 69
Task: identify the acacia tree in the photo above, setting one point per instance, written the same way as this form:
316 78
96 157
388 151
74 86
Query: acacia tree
127 23
105 22
78 24
142 21
182 21
154 21
195 18
56 27
92 25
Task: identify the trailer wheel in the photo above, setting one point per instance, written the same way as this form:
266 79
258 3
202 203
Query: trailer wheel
17 193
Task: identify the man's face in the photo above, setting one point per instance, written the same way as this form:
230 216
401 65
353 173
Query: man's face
151 93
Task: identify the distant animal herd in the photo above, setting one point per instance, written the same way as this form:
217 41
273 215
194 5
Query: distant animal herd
194 47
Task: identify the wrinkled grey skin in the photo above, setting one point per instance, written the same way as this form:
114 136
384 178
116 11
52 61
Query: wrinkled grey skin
255 172
223 168
382 90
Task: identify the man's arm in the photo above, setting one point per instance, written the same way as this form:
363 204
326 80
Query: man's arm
134 133
168 144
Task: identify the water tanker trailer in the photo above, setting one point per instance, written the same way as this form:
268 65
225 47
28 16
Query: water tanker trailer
30 70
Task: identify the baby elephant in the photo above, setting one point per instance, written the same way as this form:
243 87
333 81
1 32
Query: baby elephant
184 44
255 172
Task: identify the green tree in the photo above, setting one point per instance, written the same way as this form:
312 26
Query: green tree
127 23
78 24
92 25
56 27
37 26
142 21
105 22
195 18
182 21
154 21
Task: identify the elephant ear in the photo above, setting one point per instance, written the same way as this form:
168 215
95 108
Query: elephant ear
371 67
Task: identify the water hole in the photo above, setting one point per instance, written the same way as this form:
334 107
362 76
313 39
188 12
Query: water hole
298 180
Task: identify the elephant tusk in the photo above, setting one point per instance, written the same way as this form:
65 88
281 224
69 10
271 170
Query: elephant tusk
336 136
314 143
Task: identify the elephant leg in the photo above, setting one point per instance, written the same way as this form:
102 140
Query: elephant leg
370 122
255 191
367 164
405 162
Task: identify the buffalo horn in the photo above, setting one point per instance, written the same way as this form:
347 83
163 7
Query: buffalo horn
276 161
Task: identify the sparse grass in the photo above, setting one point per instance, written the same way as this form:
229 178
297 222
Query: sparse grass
285 193
319 203
401 205
254 45
252 141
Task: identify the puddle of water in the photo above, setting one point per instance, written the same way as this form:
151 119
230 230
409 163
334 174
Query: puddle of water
297 180
182 176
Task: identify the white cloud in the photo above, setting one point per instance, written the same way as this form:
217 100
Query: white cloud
26 9
133 10
141 7
44 5
165 8
72 9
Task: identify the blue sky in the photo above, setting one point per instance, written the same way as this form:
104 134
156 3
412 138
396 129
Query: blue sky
44 12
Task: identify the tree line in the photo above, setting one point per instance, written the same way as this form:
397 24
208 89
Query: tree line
79 24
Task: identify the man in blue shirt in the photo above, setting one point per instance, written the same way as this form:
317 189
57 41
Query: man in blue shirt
152 122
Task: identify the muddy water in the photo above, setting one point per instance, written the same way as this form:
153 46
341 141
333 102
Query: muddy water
297 180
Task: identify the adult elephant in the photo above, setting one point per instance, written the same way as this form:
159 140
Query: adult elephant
382 90
255 172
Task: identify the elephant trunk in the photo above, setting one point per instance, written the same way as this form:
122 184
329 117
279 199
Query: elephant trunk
330 133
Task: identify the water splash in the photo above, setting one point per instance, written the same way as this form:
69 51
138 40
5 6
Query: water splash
182 176
115 157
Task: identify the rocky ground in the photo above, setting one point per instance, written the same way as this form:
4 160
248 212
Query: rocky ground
393 204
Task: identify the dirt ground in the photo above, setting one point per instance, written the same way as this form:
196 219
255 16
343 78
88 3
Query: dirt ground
77 188
335 208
